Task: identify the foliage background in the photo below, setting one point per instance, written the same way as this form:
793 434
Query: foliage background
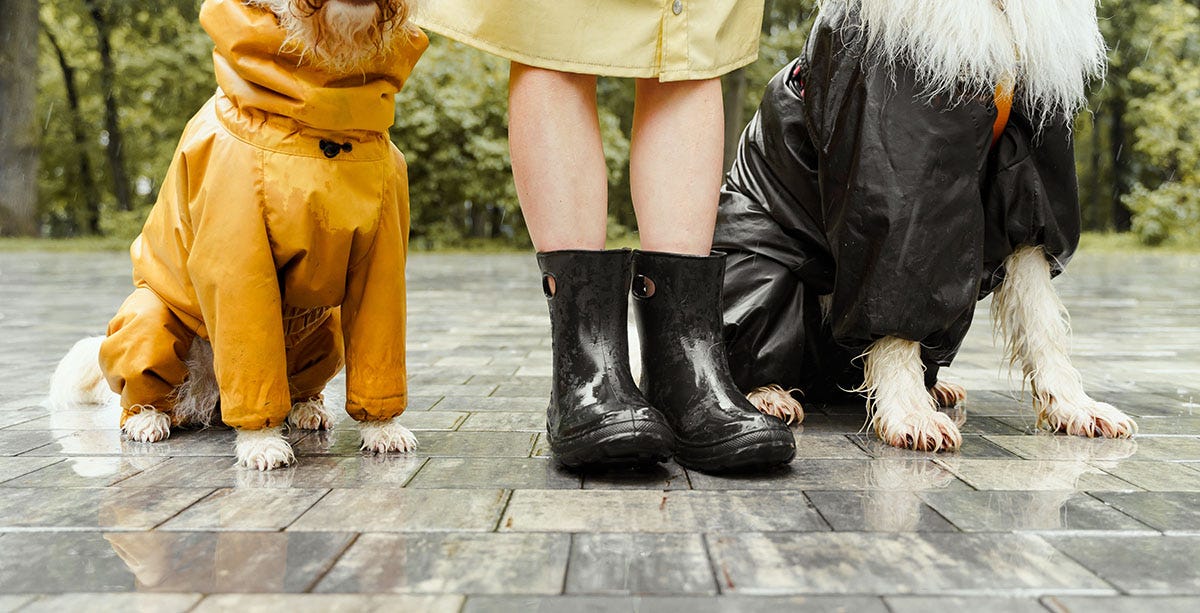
1137 150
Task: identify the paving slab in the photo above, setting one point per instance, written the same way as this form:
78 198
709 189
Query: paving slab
894 564
481 518
453 563
1164 565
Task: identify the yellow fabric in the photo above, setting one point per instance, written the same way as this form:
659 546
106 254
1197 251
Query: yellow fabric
254 222
144 356
619 38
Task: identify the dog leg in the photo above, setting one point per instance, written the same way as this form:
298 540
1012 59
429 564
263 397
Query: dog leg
310 414
263 449
948 394
386 436
903 412
1034 323
778 402
197 397
148 425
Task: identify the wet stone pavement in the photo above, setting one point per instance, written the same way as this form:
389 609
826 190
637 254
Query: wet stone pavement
480 519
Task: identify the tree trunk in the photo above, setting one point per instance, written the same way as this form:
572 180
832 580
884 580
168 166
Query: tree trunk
477 221
18 120
89 217
1121 217
497 224
108 81
736 84
1092 205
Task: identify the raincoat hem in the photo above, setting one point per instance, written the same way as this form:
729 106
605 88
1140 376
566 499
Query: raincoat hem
589 68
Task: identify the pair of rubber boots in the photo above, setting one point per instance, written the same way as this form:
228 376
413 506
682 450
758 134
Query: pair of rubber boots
688 405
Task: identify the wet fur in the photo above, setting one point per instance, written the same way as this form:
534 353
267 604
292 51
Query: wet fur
1050 48
340 37
1034 324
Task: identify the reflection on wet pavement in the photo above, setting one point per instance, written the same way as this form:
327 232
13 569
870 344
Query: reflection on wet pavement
481 519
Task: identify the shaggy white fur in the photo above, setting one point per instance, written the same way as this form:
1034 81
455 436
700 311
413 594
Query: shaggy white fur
1028 314
948 394
196 398
340 37
264 449
78 380
902 411
149 425
965 48
310 414
778 402
386 436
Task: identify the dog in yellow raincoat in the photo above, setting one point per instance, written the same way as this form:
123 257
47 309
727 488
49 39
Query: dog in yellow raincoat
276 250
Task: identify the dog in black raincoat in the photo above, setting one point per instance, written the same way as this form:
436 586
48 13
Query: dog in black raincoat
916 158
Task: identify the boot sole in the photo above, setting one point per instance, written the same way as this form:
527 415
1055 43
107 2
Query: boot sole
627 443
749 452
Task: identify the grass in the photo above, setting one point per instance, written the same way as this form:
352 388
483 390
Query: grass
88 244
1112 242
1091 242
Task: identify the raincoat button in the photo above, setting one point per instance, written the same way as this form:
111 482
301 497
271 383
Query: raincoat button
677 8
331 148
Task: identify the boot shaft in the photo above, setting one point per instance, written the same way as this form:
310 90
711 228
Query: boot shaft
677 300
587 294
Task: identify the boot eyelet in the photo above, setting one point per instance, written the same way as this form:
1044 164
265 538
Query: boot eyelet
549 285
643 287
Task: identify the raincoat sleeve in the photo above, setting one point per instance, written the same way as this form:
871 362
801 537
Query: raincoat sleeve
1032 198
776 258
373 317
234 275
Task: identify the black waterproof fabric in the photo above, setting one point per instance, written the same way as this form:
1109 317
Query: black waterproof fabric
858 208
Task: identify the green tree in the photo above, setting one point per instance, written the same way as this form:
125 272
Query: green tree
18 120
1165 116
452 125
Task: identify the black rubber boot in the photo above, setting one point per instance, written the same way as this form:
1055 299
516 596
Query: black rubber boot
685 373
597 415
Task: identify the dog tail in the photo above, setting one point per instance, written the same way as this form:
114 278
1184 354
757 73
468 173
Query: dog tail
78 379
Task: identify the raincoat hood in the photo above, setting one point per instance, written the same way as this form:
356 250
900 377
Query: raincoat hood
255 69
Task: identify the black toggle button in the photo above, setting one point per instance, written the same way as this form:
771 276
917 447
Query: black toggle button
331 149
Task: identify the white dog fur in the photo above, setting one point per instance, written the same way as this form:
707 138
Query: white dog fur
1028 314
1032 320
964 51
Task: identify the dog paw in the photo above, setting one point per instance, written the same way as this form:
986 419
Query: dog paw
920 430
310 415
1085 417
948 394
147 426
777 402
264 449
386 436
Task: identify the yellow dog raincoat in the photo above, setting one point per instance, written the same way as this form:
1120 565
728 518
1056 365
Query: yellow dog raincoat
279 235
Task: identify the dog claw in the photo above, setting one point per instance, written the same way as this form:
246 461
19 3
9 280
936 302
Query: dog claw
921 432
310 415
263 449
1086 418
948 394
777 402
147 426
386 437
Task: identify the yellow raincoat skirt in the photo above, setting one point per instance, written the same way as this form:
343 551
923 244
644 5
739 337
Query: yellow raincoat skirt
279 235
671 40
